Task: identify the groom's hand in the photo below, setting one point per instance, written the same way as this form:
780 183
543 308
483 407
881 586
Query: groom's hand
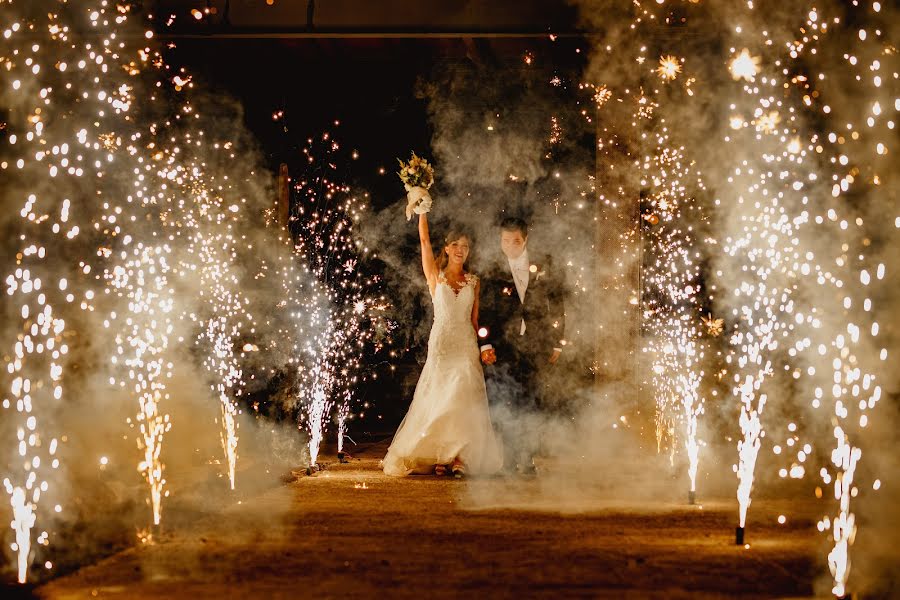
555 356
488 356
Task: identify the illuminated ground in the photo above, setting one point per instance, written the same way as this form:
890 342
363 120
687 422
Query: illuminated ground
328 536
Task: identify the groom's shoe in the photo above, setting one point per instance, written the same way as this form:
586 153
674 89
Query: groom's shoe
527 467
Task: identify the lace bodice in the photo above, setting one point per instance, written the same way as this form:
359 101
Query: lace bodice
454 305
452 332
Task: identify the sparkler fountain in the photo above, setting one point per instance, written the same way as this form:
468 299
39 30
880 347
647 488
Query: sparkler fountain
213 252
671 295
31 370
769 242
317 398
336 355
141 347
323 230
672 287
797 291
51 153
343 415
850 49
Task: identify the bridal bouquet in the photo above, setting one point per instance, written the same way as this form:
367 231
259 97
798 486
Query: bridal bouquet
417 176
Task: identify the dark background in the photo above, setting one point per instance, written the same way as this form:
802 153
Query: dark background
369 85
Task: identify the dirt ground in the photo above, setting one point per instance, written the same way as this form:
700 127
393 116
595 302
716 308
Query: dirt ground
351 531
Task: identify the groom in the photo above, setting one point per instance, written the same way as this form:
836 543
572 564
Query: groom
522 336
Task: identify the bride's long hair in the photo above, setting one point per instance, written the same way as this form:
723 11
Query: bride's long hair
453 235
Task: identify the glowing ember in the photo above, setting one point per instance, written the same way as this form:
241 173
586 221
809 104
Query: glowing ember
713 326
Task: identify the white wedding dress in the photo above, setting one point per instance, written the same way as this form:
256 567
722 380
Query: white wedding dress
449 416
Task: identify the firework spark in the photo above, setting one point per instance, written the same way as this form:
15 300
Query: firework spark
744 66
669 68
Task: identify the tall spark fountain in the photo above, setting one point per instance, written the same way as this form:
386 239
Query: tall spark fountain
50 156
323 227
766 247
225 315
672 291
853 55
141 349
343 416
802 289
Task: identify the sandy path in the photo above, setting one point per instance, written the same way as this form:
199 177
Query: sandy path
350 530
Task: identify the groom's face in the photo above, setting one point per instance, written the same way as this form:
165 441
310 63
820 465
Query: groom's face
512 243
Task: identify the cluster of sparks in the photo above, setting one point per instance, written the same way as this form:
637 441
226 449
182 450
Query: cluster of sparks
141 351
153 248
212 250
671 294
669 68
766 240
802 165
350 317
795 157
48 149
830 350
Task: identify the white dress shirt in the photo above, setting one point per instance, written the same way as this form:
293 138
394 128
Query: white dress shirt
519 267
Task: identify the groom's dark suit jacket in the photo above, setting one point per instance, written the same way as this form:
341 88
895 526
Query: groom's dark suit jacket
501 312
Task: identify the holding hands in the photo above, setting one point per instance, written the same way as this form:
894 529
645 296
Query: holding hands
555 356
488 356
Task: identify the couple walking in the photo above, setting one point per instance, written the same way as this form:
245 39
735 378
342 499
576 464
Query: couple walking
517 311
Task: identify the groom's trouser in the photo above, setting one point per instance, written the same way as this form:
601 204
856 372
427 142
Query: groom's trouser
515 389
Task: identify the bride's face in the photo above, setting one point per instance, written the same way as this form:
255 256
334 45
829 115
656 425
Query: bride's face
457 251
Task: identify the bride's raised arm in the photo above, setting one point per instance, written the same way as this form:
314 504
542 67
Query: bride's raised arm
428 265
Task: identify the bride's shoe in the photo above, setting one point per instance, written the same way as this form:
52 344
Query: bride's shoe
458 469
440 470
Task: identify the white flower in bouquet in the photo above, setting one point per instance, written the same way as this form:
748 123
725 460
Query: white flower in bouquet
417 176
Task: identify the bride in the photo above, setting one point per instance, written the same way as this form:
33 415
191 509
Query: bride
448 426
